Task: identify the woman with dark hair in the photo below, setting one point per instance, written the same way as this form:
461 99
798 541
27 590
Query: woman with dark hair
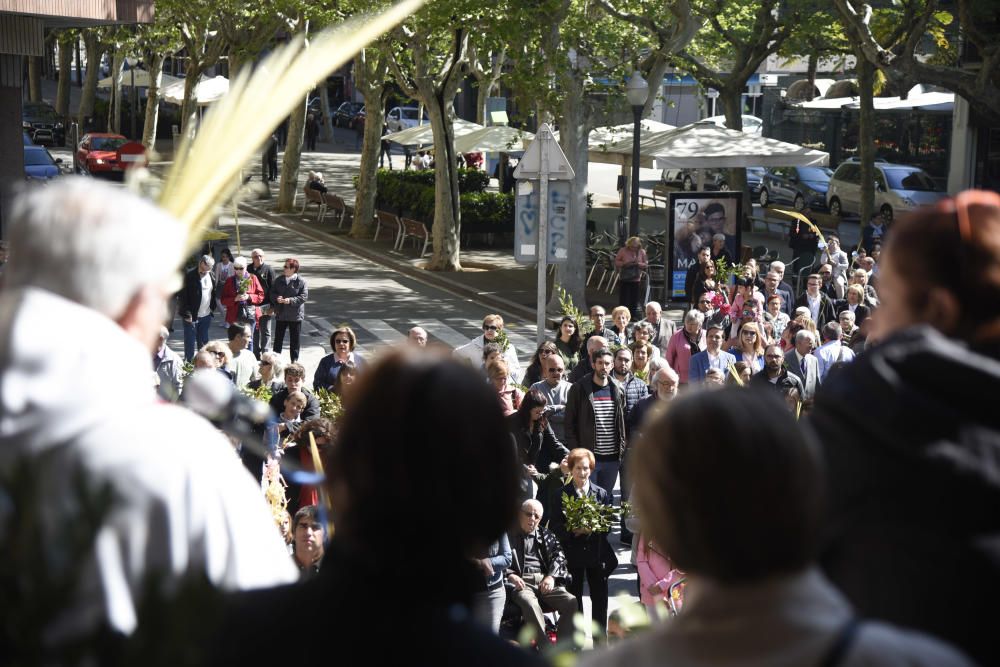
342 342
588 554
912 475
345 378
742 518
534 372
568 342
536 442
704 281
422 477
288 297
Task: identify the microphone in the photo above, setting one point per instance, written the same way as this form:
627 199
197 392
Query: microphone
211 395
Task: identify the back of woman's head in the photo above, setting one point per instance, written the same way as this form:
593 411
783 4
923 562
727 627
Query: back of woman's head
423 436
730 486
953 246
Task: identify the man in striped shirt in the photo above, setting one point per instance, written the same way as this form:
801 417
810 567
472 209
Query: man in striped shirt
595 418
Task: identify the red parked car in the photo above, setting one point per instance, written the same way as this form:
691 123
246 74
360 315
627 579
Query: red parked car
109 154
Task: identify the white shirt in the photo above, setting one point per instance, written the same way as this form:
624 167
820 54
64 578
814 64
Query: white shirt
205 307
185 502
814 303
244 365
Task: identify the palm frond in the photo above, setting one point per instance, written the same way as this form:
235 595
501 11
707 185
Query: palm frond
205 170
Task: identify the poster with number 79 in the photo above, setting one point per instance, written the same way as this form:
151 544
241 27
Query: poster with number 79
700 220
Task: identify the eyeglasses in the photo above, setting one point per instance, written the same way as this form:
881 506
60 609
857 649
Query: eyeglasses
265 363
239 268
748 334
531 514
490 327
289 266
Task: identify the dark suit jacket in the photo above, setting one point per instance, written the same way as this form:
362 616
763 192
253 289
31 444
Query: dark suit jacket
826 313
787 303
592 550
810 382
861 312
189 298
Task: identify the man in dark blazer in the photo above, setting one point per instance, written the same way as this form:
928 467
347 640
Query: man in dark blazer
801 363
772 285
195 305
820 306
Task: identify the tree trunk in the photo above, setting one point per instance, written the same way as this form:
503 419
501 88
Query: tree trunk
155 65
866 137
447 228
190 105
573 136
483 92
293 156
115 108
79 62
326 133
35 78
65 76
732 104
364 202
811 73
92 43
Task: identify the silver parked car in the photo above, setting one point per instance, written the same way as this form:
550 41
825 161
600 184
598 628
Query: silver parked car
898 188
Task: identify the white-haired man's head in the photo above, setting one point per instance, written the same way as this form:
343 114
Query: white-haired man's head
531 515
82 239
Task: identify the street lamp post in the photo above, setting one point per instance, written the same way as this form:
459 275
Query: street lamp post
132 62
637 90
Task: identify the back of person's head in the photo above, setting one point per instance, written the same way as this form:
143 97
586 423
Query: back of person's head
832 331
729 495
947 258
422 435
78 238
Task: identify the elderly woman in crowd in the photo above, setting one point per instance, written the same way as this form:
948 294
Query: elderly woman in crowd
534 372
644 332
854 301
569 342
688 341
753 593
271 369
241 295
779 319
588 554
342 342
642 354
620 318
508 394
860 277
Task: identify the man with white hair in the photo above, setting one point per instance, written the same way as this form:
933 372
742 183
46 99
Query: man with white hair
663 328
169 368
538 573
801 363
182 505
777 266
417 337
195 304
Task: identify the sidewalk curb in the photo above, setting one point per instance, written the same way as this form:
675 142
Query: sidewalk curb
437 280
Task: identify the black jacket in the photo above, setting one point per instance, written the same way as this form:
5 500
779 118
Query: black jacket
265 274
785 382
591 550
540 448
826 313
911 436
550 552
579 420
861 312
189 298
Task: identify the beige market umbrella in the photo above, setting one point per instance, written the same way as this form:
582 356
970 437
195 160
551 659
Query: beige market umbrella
141 79
421 135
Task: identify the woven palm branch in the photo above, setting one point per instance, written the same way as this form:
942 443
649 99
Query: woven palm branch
205 171
801 218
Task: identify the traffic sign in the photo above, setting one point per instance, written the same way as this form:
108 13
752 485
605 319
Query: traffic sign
530 165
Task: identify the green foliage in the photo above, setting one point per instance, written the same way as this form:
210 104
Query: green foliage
723 271
261 393
569 309
329 405
411 193
587 514
502 340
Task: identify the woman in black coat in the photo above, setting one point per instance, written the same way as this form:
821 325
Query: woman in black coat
588 554
536 443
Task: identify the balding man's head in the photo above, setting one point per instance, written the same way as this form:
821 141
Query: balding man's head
417 337
531 515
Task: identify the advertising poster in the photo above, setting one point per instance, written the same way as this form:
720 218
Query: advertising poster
695 218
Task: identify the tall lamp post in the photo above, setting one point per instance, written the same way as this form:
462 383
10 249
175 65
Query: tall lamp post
636 90
132 62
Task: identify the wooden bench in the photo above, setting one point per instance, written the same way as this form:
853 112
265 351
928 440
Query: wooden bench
390 222
314 197
335 205
415 230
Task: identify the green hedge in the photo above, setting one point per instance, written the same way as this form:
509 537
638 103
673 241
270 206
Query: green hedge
411 194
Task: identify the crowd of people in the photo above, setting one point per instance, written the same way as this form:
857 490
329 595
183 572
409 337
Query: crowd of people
806 488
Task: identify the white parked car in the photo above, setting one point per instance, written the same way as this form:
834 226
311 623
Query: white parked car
898 188
402 118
